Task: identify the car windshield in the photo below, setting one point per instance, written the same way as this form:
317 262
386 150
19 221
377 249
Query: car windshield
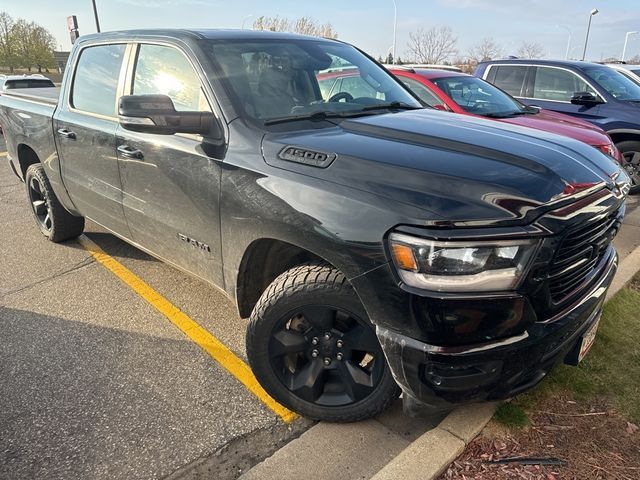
278 79
614 82
479 97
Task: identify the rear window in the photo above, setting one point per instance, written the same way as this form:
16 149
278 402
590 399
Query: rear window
28 83
510 78
96 79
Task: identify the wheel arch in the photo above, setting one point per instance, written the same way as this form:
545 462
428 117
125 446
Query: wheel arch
624 135
27 156
264 260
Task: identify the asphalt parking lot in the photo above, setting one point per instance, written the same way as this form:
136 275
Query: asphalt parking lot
94 381
97 383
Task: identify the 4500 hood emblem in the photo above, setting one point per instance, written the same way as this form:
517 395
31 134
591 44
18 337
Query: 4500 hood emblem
194 242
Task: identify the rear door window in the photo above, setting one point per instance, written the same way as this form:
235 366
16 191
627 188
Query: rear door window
510 78
96 77
558 85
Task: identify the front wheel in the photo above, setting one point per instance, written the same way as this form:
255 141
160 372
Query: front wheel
312 348
630 151
53 219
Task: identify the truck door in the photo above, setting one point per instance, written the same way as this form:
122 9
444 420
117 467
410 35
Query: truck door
171 183
85 128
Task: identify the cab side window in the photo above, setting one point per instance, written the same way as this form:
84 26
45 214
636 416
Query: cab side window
95 80
510 78
558 85
165 70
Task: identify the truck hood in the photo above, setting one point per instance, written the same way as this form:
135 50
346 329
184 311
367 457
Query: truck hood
456 168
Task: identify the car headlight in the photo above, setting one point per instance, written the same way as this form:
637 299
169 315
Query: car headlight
460 266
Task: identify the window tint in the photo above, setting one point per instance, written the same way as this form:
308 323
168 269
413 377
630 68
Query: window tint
421 91
96 79
510 78
167 71
558 85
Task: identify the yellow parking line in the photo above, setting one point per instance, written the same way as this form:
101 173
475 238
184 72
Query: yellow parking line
3 154
210 344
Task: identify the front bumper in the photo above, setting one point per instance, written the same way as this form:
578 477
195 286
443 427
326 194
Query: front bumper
435 378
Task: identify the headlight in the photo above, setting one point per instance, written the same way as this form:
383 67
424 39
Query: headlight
460 266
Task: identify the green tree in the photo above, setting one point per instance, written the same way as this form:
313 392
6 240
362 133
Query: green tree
7 41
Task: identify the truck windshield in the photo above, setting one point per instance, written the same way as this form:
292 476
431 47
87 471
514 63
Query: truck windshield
479 97
276 80
618 85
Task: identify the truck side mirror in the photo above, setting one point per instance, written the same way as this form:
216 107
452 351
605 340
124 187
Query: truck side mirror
157 114
584 98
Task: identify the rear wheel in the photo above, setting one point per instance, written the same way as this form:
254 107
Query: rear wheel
55 222
313 349
630 151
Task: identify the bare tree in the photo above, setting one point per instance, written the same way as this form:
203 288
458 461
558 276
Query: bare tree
302 25
487 49
435 45
634 60
531 50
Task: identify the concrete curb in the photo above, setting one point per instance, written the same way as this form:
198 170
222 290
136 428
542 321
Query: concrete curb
429 455
629 266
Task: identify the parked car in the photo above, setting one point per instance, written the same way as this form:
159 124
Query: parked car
631 71
592 92
372 242
8 82
469 95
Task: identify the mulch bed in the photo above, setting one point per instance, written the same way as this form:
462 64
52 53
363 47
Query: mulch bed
588 438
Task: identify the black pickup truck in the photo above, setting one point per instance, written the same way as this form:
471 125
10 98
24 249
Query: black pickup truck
373 243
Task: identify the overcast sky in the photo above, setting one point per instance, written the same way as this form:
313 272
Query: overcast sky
369 23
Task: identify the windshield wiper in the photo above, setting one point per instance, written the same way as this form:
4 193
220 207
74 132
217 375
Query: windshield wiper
392 106
504 115
321 115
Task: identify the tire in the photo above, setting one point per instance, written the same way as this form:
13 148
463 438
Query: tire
342 377
630 151
54 221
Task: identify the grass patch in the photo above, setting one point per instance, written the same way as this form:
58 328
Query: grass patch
611 368
511 415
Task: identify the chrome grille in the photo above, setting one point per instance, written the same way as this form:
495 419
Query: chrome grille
579 253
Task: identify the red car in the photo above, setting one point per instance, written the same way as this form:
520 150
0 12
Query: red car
468 95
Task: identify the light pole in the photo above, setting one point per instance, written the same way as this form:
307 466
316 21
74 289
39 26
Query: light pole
95 14
626 40
566 54
586 39
245 19
395 29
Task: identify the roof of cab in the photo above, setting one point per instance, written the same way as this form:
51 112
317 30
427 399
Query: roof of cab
197 34
567 63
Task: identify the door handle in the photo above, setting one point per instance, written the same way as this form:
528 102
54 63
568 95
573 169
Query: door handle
63 132
130 152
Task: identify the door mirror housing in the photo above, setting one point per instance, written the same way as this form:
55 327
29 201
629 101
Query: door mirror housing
157 114
584 98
